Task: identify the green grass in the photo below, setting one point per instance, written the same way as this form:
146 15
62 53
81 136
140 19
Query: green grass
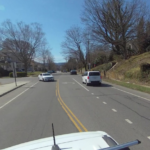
5 77
130 85
34 74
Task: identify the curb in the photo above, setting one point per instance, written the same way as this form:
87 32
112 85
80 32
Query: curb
12 89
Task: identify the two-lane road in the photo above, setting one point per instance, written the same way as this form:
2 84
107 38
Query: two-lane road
28 112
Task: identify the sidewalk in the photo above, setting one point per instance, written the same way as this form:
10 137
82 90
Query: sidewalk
6 88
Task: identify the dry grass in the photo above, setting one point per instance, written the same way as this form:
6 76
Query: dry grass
133 62
102 67
129 69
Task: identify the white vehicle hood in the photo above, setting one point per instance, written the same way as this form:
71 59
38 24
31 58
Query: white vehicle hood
74 141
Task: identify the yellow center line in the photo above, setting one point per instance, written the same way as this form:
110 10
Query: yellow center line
66 108
79 129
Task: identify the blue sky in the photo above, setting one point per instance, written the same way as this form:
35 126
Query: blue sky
55 16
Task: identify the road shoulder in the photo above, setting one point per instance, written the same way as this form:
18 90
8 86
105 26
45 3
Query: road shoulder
6 88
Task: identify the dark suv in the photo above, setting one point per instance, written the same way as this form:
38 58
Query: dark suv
73 72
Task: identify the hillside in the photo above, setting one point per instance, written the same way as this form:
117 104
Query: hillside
127 69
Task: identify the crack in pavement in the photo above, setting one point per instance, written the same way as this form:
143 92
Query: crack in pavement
131 109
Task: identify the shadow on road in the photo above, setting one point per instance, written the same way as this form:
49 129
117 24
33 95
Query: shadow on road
102 85
48 81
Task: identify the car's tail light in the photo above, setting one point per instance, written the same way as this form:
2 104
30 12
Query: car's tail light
100 76
87 77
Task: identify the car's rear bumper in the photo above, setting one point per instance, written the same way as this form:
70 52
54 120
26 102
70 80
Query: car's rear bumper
93 82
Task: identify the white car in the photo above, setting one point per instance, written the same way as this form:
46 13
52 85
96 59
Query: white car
91 77
97 140
46 77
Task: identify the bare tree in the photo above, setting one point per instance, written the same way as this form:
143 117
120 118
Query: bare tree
113 21
73 45
50 61
22 40
43 54
141 35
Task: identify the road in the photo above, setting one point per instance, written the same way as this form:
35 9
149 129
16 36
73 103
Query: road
27 113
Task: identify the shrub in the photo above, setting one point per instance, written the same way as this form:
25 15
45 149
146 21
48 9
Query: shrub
4 72
144 71
19 74
10 74
145 67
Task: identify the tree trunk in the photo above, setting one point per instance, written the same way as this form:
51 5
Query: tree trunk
85 67
125 50
25 68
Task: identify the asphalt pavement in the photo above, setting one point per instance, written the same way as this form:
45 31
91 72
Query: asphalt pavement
27 113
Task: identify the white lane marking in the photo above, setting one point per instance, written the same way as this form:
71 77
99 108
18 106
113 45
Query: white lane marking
131 94
92 93
97 97
148 137
114 110
127 120
80 84
104 103
17 96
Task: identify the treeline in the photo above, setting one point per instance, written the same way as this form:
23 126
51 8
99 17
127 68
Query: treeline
25 42
112 27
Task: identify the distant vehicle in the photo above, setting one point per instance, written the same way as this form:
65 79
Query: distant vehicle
64 71
73 72
46 77
50 71
97 140
91 77
20 70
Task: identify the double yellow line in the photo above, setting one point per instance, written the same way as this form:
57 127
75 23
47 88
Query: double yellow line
70 114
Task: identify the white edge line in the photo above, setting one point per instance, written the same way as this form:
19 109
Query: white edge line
80 84
104 103
127 120
17 96
114 110
97 97
148 137
131 94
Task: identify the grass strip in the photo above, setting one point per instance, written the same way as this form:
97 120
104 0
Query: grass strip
130 85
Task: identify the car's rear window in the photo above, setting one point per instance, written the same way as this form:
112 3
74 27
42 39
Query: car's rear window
46 74
109 141
73 70
94 74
